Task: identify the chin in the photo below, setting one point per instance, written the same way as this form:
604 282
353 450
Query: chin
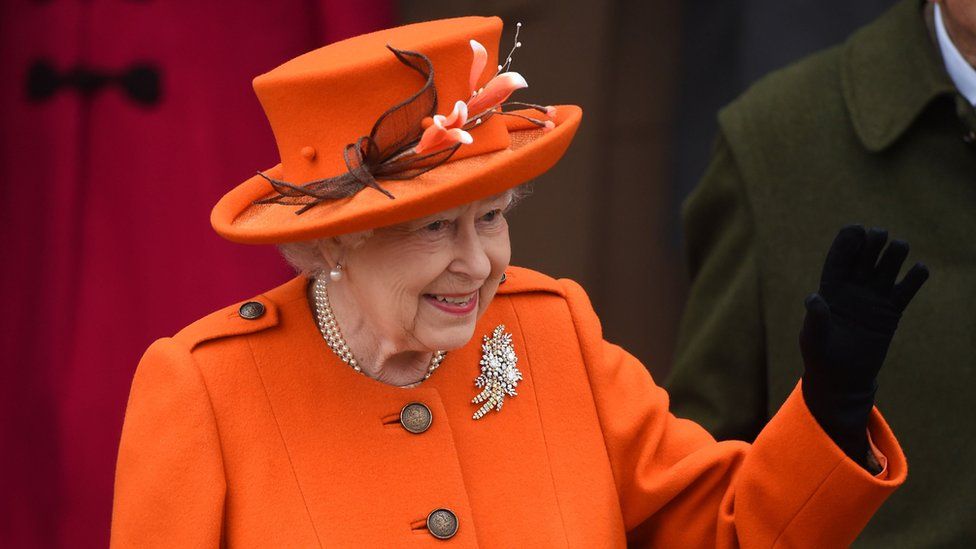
449 338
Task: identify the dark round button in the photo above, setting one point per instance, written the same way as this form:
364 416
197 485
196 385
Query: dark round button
251 310
415 417
504 278
442 523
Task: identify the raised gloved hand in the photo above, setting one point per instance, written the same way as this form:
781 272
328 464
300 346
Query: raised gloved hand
849 324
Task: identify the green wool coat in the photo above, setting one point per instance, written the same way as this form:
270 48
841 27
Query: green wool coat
872 132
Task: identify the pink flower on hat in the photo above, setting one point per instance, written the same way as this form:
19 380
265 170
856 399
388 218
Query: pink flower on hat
446 130
497 90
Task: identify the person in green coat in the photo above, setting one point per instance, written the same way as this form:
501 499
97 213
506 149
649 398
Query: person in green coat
880 130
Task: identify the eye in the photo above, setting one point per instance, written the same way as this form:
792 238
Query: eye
491 216
436 226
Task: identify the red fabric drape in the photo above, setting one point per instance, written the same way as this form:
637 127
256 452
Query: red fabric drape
104 219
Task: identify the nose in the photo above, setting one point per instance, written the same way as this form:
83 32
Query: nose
470 256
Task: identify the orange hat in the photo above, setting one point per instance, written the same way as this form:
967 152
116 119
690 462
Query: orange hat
391 126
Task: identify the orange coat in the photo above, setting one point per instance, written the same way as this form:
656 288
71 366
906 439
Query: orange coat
252 433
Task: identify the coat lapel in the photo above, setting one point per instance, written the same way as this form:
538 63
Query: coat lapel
888 80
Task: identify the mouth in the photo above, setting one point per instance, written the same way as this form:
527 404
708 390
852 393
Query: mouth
455 304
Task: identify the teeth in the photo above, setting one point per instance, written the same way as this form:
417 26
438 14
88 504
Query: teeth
453 300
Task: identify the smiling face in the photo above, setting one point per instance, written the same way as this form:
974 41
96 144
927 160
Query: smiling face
422 285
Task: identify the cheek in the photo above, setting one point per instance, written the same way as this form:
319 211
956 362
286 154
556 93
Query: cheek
499 252
419 273
408 281
391 276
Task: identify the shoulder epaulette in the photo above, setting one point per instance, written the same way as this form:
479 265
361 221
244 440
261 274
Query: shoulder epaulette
245 317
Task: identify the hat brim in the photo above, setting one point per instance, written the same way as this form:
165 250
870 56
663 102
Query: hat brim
452 184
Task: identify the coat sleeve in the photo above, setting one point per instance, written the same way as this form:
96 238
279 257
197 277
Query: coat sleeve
678 487
719 373
169 480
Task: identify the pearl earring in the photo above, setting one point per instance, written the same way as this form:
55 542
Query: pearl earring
336 273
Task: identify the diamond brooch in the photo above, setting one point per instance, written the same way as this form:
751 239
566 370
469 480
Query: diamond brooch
499 373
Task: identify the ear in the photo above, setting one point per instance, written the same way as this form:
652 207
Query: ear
331 249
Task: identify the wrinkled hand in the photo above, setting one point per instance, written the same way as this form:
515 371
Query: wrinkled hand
847 330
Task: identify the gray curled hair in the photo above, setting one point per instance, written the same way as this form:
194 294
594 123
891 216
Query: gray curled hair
306 258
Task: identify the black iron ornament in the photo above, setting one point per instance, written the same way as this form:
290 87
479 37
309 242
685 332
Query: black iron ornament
141 82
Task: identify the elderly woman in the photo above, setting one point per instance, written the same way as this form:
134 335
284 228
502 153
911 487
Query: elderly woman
410 386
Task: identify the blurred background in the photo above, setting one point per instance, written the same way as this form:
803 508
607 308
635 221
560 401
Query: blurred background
123 121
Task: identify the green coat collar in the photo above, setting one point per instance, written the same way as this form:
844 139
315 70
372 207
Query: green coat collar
890 72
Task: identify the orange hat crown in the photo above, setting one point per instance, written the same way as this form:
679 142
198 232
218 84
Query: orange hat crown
323 101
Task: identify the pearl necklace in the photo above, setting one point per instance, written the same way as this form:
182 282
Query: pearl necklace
333 337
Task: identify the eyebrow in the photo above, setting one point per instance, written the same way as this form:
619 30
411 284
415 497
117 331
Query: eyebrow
421 221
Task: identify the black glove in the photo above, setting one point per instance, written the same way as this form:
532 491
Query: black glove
848 327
